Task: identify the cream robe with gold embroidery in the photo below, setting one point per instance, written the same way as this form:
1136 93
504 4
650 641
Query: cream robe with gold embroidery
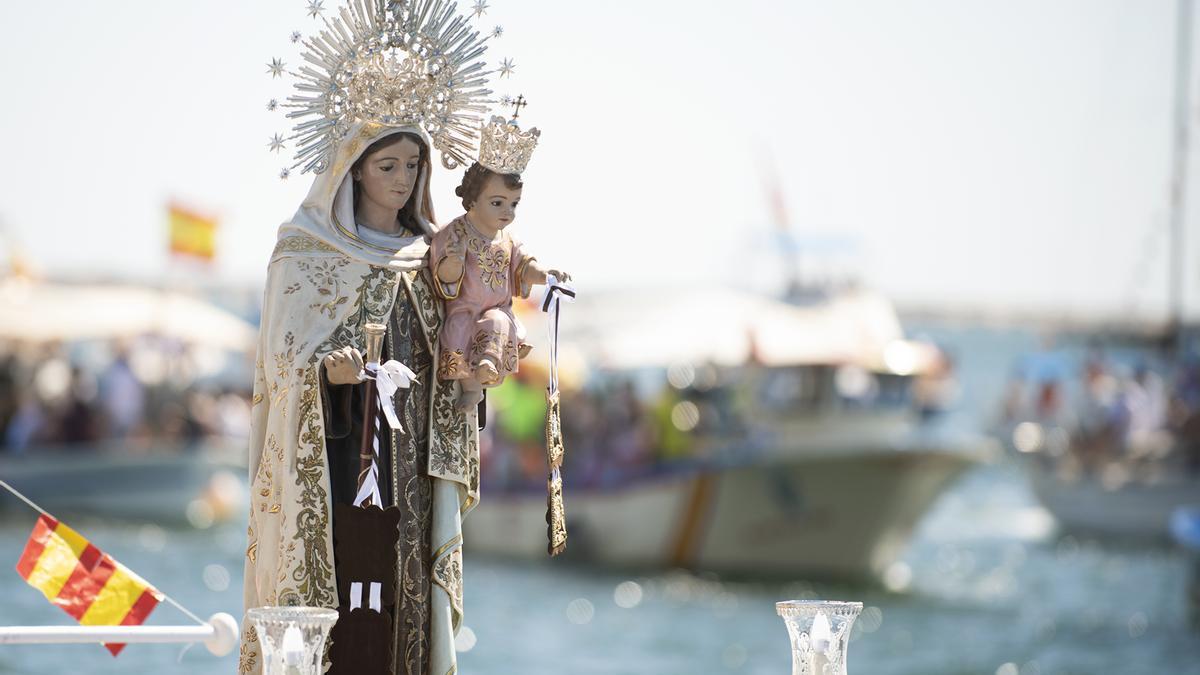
323 284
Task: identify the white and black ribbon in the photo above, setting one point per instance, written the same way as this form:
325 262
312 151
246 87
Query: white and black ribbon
557 292
389 378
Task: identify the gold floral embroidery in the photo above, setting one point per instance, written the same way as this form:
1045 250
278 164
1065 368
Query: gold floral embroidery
268 490
554 441
420 287
369 131
493 267
301 244
555 451
412 490
273 444
556 516
451 363
486 343
472 469
248 654
447 573
493 259
413 572
510 356
283 367
325 275
377 293
453 442
447 451
315 575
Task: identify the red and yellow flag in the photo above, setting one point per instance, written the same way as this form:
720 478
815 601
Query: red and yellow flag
192 234
83 580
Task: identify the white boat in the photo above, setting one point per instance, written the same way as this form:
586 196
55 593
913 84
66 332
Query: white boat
845 514
1119 483
1126 509
166 484
828 476
1117 497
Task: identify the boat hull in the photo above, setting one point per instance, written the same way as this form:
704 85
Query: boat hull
845 515
159 486
1134 510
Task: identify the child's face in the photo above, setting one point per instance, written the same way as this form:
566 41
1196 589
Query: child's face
496 206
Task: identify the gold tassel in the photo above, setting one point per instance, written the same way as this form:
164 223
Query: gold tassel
556 517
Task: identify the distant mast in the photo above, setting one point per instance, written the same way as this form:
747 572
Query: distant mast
1179 169
783 230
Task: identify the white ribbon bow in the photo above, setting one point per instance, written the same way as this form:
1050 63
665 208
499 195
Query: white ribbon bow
389 377
556 291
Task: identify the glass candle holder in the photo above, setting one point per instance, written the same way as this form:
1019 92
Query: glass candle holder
820 634
292 639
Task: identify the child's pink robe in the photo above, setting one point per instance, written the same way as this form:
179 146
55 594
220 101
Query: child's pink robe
479 318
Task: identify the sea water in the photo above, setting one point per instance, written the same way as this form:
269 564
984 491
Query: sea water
987 587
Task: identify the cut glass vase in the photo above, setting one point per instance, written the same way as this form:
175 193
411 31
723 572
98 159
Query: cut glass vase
820 634
292 639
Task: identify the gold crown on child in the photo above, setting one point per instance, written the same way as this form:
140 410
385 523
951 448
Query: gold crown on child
504 148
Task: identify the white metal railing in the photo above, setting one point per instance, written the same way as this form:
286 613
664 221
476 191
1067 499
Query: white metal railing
219 634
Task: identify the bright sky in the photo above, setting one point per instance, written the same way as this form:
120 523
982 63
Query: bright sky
977 153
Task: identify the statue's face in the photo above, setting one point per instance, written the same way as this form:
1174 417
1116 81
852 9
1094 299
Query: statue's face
387 177
496 206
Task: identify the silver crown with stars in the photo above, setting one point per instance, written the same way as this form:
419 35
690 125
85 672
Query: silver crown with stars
504 148
391 62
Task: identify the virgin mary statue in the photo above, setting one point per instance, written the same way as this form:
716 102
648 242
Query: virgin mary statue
337 265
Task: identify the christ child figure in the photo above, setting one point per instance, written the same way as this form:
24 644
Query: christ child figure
479 266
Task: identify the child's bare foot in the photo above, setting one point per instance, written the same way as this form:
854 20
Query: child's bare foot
469 399
486 373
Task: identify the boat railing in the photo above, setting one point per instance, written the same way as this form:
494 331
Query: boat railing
219 634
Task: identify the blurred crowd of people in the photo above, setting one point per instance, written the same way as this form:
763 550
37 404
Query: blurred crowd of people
140 395
1112 412
625 425
612 433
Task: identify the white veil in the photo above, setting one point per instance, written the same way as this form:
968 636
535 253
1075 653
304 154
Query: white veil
328 211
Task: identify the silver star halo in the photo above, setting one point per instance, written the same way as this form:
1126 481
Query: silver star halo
415 63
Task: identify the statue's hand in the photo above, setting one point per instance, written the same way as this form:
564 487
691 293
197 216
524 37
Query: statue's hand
343 366
560 275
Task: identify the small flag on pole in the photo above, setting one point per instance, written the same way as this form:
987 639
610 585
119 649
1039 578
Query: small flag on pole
83 580
192 234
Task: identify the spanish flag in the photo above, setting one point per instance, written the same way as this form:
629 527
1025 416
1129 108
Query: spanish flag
192 234
83 580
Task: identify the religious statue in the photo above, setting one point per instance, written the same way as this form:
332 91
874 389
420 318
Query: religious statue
479 266
342 447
